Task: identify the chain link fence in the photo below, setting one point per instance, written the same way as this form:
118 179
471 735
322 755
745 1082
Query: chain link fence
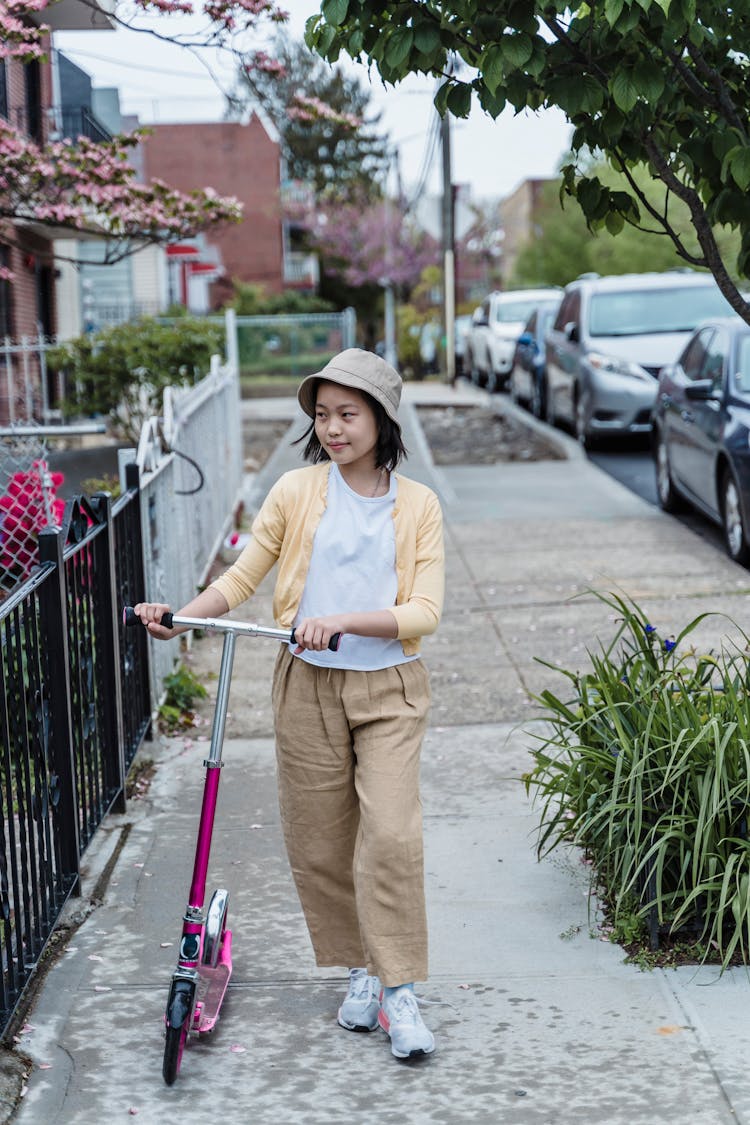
28 496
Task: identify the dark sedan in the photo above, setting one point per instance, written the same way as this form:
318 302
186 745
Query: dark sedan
527 383
701 436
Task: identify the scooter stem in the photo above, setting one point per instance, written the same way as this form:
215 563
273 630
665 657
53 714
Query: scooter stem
213 764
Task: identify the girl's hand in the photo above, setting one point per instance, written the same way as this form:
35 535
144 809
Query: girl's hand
151 614
315 632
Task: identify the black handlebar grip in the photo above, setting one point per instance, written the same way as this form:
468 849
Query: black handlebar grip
130 617
333 644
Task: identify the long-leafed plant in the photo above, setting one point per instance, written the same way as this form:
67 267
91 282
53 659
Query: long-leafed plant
646 765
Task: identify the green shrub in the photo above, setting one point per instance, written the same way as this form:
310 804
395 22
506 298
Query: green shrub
647 767
182 689
121 372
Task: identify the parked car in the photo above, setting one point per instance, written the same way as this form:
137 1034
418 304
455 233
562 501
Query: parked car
701 438
461 329
610 339
527 381
495 328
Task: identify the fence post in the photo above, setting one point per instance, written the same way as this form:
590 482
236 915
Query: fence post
109 613
231 346
53 615
132 481
350 328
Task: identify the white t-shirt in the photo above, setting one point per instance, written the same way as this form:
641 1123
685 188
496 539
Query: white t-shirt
353 570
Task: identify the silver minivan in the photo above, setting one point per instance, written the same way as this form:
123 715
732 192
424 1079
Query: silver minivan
611 338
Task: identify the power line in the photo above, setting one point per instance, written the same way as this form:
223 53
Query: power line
428 159
194 75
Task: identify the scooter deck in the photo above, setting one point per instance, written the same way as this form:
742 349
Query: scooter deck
215 982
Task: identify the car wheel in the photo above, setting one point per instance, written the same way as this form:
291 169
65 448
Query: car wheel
581 422
549 405
735 535
538 405
669 498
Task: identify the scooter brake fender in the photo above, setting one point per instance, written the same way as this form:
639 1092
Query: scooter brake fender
180 1003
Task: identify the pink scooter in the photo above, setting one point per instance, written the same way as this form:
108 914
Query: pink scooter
204 965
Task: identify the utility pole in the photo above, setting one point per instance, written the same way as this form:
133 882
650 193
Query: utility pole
449 257
389 326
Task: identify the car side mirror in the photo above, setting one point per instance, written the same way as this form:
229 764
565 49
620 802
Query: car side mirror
571 332
526 339
702 390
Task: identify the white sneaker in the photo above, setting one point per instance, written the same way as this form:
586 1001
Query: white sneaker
400 1018
359 1011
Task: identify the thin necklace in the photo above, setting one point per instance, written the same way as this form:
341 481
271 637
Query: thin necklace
378 482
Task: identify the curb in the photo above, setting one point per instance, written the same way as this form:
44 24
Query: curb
567 445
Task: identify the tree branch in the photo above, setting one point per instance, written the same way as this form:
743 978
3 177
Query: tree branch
709 74
662 220
703 230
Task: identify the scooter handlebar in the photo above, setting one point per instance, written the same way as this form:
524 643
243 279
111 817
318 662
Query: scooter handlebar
130 617
169 620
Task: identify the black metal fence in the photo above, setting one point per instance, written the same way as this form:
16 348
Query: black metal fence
75 708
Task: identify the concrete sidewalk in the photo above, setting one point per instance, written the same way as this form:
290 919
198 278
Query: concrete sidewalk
537 1020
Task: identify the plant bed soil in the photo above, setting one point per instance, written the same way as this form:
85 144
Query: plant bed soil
475 435
260 437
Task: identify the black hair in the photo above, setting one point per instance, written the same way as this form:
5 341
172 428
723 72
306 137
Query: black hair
389 448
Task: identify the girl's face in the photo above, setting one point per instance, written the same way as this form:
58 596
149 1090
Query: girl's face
345 425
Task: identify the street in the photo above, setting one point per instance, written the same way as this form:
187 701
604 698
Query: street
629 460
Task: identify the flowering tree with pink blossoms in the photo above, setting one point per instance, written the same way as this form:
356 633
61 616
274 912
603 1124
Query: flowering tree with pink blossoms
82 186
374 244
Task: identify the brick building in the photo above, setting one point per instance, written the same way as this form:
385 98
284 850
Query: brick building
27 302
520 216
239 159
27 299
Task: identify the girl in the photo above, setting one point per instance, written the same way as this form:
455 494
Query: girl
360 552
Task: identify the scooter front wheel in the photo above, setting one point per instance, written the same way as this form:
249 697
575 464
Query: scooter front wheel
177 1020
173 1048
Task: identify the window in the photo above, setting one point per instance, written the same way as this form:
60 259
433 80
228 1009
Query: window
742 374
515 311
694 357
5 296
570 310
716 357
641 312
3 89
33 99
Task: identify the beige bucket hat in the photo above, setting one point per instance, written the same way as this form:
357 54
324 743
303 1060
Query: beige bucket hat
365 371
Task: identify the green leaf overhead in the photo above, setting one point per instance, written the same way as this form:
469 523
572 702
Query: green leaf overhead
659 86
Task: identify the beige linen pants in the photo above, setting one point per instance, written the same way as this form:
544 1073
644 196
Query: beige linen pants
347 747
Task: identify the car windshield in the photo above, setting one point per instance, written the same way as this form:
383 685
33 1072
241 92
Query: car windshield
508 312
643 312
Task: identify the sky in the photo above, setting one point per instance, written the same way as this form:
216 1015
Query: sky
164 83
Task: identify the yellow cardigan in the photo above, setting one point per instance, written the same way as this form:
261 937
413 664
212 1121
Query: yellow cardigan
283 532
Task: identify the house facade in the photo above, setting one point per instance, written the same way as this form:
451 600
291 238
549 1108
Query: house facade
240 159
520 213
89 293
29 102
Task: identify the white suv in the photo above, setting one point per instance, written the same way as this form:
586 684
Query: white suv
495 328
